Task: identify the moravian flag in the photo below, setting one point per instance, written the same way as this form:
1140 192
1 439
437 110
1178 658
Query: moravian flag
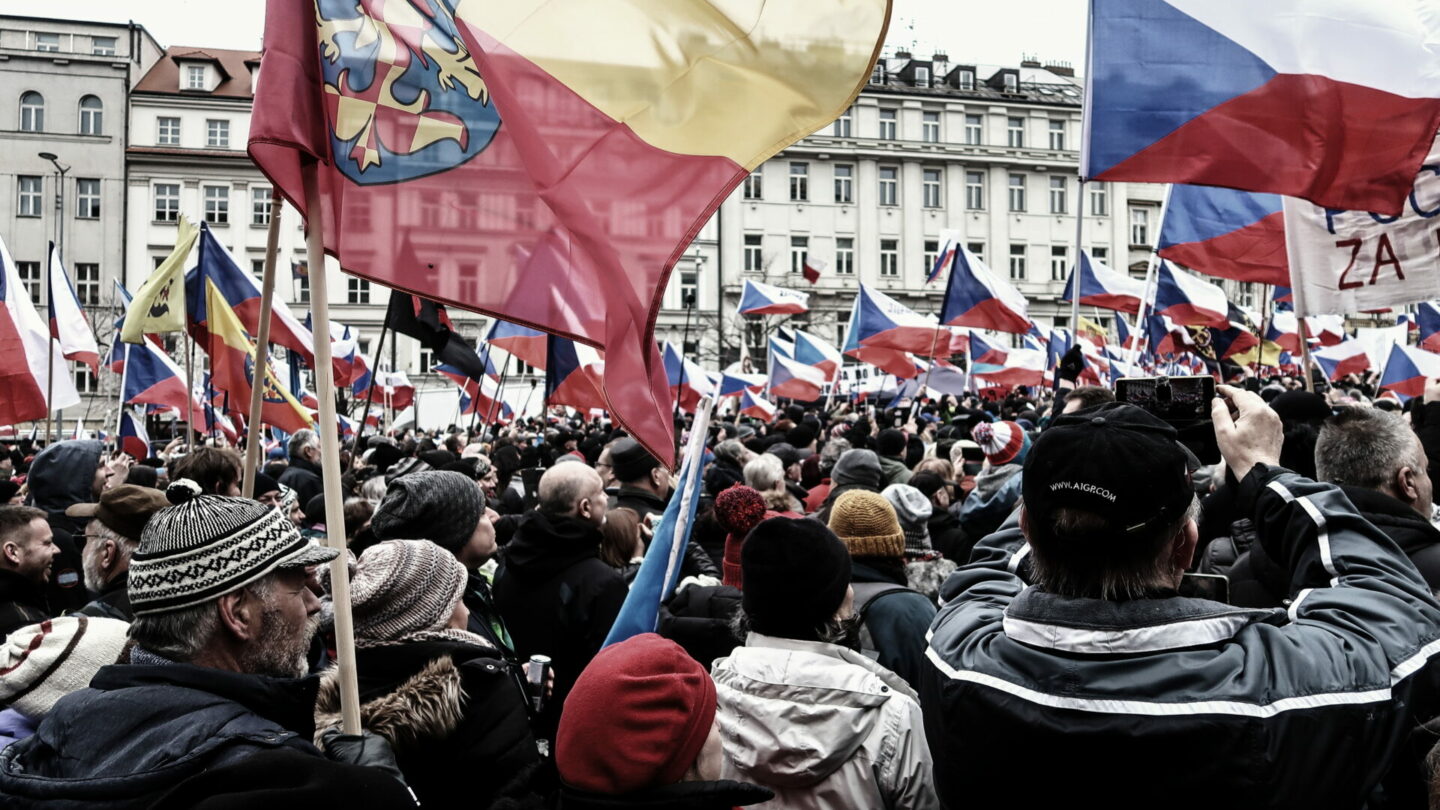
159 305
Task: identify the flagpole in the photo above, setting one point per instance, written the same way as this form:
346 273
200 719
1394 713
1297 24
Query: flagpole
495 409
526 407
1152 265
262 340
124 375
330 452
1305 355
50 418
190 388
374 377
1264 329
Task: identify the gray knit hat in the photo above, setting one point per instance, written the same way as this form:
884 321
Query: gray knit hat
914 510
209 545
401 587
443 507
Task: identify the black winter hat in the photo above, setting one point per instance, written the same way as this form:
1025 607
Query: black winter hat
796 572
890 442
435 505
631 461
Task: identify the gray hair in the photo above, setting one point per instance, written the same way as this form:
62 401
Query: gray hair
1365 447
299 440
730 449
185 634
1135 569
764 472
97 532
373 490
834 449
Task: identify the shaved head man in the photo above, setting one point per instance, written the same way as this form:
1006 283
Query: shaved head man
573 490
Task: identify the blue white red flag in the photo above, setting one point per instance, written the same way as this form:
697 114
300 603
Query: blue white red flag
689 383
1227 233
1104 288
26 353
134 440
68 323
1427 322
1188 301
734 383
978 298
757 298
1407 370
814 351
1346 357
790 378
521 341
754 405
573 375
948 251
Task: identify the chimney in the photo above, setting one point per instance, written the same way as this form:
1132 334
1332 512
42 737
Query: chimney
1060 68
1030 62
902 55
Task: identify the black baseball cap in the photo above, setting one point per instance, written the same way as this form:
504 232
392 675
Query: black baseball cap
1116 461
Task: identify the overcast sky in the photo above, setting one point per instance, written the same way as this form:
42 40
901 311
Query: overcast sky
988 33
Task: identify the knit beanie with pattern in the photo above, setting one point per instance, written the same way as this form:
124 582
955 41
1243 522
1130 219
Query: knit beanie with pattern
44 662
403 587
866 523
1002 442
443 507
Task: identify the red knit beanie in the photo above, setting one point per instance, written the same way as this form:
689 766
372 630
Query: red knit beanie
637 718
738 509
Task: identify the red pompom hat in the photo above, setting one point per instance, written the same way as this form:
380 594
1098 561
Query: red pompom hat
738 509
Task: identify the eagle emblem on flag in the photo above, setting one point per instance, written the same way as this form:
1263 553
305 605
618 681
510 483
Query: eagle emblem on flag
404 98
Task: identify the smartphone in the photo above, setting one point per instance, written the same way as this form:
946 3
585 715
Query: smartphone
1215 587
1182 402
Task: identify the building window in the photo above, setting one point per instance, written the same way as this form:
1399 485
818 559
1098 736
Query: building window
84 380
889 258
167 202
1059 263
48 43
1059 189
31 187
799 252
1057 135
427 360
922 77
689 288
217 205
842 124
87 198
975 191
887 124
303 295
1017 192
357 290
30 277
754 258
87 283
889 185
930 127
967 80
1012 83
977 249
32 112
167 131
1017 262
845 256
259 205
1099 199
257 268
102 46
844 184
932 253
217 133
974 129
799 182
877 75
92 116
1015 132
1139 226
930 188
1100 254
753 188
194 77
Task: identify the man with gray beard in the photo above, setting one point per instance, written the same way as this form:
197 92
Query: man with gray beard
111 536
213 701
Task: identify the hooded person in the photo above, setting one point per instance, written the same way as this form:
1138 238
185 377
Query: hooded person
800 712
439 694
855 469
639 731
62 475
44 662
944 530
893 616
997 486
892 446
925 568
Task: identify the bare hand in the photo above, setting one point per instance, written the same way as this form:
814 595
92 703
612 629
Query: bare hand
1252 436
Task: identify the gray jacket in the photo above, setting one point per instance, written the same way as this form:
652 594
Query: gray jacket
822 726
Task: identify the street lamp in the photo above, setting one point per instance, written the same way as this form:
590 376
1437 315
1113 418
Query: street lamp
60 171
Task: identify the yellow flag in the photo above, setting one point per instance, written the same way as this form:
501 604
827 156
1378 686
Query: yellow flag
159 306
1088 326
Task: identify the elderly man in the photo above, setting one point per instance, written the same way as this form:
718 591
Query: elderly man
644 481
223 618
303 474
557 596
1102 667
111 536
27 546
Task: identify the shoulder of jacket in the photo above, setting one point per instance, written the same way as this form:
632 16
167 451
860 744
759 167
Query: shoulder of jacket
428 705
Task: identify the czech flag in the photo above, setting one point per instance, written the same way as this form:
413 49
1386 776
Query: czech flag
26 354
733 384
1104 288
574 375
977 298
755 406
882 322
68 323
1021 367
134 440
1329 330
946 257
1345 357
1407 370
1188 301
812 351
151 377
688 381
983 351
890 361
1284 331
1427 320
232 362
944 378
767 299
1336 103
1226 233
530 345
789 378
597 136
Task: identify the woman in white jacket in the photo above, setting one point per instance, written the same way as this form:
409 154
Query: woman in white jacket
800 712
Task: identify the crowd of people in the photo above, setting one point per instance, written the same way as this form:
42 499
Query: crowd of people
949 603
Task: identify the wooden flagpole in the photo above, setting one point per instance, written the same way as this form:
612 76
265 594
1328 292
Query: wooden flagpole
253 440
330 453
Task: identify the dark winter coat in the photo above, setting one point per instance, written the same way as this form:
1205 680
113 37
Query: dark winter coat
22 602
723 474
558 598
948 538
303 477
113 601
894 617
721 795
140 730
61 476
458 729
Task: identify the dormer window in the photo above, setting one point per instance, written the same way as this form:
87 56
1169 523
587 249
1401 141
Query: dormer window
967 80
1012 83
922 77
195 77
877 76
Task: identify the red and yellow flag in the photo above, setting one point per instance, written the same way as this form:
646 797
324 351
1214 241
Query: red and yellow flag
232 364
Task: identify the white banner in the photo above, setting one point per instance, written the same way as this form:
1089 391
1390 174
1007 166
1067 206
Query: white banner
1344 262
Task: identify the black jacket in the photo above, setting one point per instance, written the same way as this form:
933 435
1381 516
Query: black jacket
558 598
303 477
894 616
643 502
458 729
948 538
140 730
723 474
113 601
22 602
721 795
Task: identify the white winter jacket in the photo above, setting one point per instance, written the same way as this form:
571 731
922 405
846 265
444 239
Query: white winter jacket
821 726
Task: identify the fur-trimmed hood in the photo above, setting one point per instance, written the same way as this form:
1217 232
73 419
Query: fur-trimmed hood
428 705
